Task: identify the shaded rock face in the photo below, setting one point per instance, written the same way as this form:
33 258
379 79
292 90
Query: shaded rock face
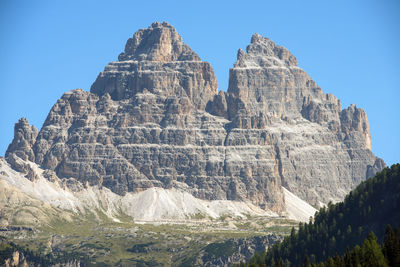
21 148
24 138
155 118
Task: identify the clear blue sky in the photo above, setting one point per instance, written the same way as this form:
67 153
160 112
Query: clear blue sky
350 48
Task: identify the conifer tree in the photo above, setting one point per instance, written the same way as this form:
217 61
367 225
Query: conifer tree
371 252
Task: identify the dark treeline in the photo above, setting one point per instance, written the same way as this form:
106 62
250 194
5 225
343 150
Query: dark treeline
369 254
374 204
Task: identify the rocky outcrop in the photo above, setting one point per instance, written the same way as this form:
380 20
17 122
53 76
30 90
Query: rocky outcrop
234 250
155 119
16 260
379 165
24 138
21 148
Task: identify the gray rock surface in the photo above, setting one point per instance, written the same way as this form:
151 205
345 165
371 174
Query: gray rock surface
157 61
24 138
322 151
156 118
21 148
233 251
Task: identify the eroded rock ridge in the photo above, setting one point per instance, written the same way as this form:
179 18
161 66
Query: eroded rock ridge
155 118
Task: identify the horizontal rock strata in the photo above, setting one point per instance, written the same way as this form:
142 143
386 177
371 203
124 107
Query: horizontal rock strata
155 118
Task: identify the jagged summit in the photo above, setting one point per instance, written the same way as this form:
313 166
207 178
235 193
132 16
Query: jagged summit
263 52
157 61
159 42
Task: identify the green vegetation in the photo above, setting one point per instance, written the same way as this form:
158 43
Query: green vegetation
369 254
220 249
38 259
92 235
126 243
372 205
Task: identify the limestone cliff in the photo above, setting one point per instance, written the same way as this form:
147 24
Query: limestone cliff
155 118
321 150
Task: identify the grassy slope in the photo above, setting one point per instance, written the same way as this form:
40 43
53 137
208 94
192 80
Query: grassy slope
95 236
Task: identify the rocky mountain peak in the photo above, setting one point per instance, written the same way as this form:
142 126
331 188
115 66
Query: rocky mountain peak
159 42
157 61
263 52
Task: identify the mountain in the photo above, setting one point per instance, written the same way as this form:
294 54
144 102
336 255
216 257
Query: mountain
154 124
156 166
374 204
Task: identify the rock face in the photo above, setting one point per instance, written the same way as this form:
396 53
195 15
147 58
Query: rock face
24 138
21 148
155 118
321 150
155 60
